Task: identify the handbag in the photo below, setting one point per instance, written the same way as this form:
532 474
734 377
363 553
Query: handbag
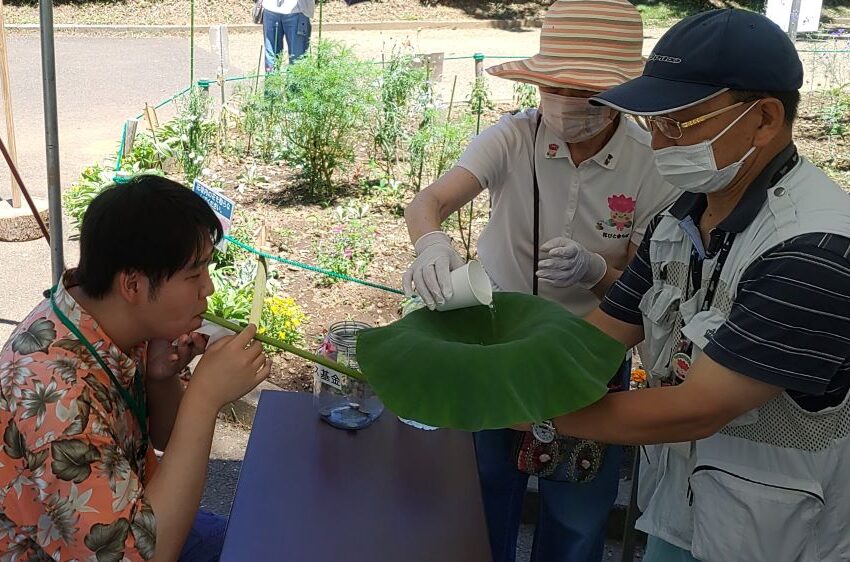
563 459
257 11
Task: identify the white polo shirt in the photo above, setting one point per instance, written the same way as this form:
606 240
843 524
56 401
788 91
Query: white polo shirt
306 7
603 204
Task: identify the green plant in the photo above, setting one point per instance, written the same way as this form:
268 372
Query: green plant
243 228
835 113
448 358
479 101
250 178
230 299
402 78
190 136
282 319
75 200
262 116
437 145
351 211
328 94
145 155
347 251
525 96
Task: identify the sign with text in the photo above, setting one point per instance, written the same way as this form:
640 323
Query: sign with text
330 377
779 12
221 205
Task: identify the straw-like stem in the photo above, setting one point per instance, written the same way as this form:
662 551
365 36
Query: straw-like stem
304 354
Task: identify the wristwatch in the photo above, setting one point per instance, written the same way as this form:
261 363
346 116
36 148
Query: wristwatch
544 431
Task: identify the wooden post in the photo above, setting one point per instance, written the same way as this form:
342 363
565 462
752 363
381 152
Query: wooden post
479 65
151 118
129 137
259 279
153 124
7 103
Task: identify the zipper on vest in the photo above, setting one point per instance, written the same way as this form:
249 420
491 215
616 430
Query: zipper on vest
705 467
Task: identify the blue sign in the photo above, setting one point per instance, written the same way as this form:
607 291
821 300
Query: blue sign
221 205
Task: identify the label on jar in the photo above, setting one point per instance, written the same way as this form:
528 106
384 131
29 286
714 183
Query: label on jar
330 377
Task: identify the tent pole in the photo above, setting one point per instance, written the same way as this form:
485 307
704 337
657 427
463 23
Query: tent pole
51 135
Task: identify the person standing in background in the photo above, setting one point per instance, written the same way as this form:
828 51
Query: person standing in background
290 20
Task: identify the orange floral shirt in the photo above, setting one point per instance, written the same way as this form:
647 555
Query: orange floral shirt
72 463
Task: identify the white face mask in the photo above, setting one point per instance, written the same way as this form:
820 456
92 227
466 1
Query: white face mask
693 168
574 119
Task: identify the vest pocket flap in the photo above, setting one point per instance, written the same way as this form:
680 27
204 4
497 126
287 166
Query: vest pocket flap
701 324
659 304
741 515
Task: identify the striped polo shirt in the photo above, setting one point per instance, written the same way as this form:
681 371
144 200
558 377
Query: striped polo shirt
789 325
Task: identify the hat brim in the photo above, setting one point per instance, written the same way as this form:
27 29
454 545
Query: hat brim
648 95
554 72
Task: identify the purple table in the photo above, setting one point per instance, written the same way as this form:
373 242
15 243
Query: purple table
309 492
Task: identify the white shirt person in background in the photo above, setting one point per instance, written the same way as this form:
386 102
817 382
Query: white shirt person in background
289 20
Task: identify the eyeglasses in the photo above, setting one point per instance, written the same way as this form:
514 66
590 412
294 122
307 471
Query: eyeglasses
673 129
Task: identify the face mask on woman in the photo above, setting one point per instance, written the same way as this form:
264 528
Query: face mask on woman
574 119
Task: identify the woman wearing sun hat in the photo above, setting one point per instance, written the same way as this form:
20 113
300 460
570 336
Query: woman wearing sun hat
573 187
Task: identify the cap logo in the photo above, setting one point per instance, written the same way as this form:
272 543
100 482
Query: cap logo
663 58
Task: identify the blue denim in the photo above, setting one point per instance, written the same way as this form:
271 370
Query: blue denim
206 538
572 517
295 28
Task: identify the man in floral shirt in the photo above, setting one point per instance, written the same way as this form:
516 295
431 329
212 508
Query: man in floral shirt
89 385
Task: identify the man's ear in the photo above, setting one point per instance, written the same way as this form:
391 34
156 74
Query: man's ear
132 286
772 115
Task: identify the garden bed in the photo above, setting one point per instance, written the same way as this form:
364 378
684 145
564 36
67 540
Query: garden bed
328 172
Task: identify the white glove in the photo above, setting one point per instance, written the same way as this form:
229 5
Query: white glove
569 263
430 272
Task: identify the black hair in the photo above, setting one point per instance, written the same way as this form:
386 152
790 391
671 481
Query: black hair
790 100
151 225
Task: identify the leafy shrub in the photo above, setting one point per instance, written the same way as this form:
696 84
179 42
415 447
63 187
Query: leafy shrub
835 112
525 96
437 146
403 80
75 200
328 94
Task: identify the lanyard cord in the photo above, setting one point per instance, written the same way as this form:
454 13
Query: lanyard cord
695 272
138 408
536 257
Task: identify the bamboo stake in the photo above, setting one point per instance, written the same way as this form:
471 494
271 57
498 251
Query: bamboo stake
7 103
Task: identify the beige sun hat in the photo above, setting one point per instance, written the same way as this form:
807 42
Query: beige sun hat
584 44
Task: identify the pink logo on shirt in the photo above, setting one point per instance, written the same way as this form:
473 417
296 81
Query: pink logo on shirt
553 150
622 209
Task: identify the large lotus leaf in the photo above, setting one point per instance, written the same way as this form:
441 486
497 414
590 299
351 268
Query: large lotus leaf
527 360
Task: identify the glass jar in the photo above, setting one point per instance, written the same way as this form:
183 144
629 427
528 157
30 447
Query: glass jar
342 401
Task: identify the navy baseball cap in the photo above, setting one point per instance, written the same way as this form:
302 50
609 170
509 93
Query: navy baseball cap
706 54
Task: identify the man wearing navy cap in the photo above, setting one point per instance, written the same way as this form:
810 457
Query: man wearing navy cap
741 295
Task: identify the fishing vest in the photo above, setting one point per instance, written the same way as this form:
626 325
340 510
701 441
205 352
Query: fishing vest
774 484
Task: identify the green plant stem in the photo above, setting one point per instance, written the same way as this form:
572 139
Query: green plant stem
321 17
441 161
274 342
192 44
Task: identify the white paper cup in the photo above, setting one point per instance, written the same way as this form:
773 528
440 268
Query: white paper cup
470 287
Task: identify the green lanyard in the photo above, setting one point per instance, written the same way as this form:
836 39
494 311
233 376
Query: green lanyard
139 409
